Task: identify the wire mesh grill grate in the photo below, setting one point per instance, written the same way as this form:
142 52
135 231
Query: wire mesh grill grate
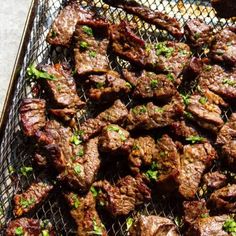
14 151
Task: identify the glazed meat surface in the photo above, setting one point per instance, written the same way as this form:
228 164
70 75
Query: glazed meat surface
83 211
193 210
32 115
150 85
90 52
194 161
27 201
214 180
107 86
63 27
219 81
121 199
150 116
29 226
157 18
224 8
61 88
209 226
113 139
198 33
168 57
153 226
223 48
113 115
224 199
204 112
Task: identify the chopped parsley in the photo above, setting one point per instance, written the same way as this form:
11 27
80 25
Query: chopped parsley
152 173
230 226
76 201
80 152
162 49
207 68
87 30
129 223
77 168
159 109
75 139
204 215
127 84
139 110
183 52
229 82
45 232
188 114
97 230
25 170
19 231
27 203
94 191
194 139
153 83
170 77
92 54
197 35
35 73
53 34
83 45
118 130
203 100
163 153
100 85
135 147
59 87
185 98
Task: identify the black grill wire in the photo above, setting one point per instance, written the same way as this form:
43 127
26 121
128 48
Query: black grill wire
14 149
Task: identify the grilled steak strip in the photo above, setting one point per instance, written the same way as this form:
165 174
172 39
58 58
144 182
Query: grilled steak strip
120 199
223 48
29 226
150 85
107 86
153 226
150 116
90 52
83 211
224 199
214 180
167 57
113 115
194 161
31 198
63 27
32 115
157 18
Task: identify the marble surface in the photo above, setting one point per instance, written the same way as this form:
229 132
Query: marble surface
13 14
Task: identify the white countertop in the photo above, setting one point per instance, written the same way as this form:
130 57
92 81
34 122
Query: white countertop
13 15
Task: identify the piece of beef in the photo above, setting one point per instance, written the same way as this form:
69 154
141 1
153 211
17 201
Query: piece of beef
113 115
120 199
142 153
32 115
153 226
65 114
167 160
29 226
193 210
160 19
209 226
150 85
61 88
223 48
83 211
63 27
204 112
107 86
192 69
219 81
194 161
150 116
224 8
226 139
224 199
113 139
214 180
81 172
90 52
27 201
167 57
198 33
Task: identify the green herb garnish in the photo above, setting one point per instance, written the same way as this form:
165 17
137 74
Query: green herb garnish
162 49
229 82
139 110
25 203
135 147
170 77
100 85
19 231
87 30
35 73
159 109
92 54
153 83
197 35
25 170
97 230
75 139
80 152
203 100
118 130
195 139
188 114
83 45
94 191
11 170
230 226
152 173
129 223
207 68
127 84
45 232
53 34
76 201
77 168
204 215
185 98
